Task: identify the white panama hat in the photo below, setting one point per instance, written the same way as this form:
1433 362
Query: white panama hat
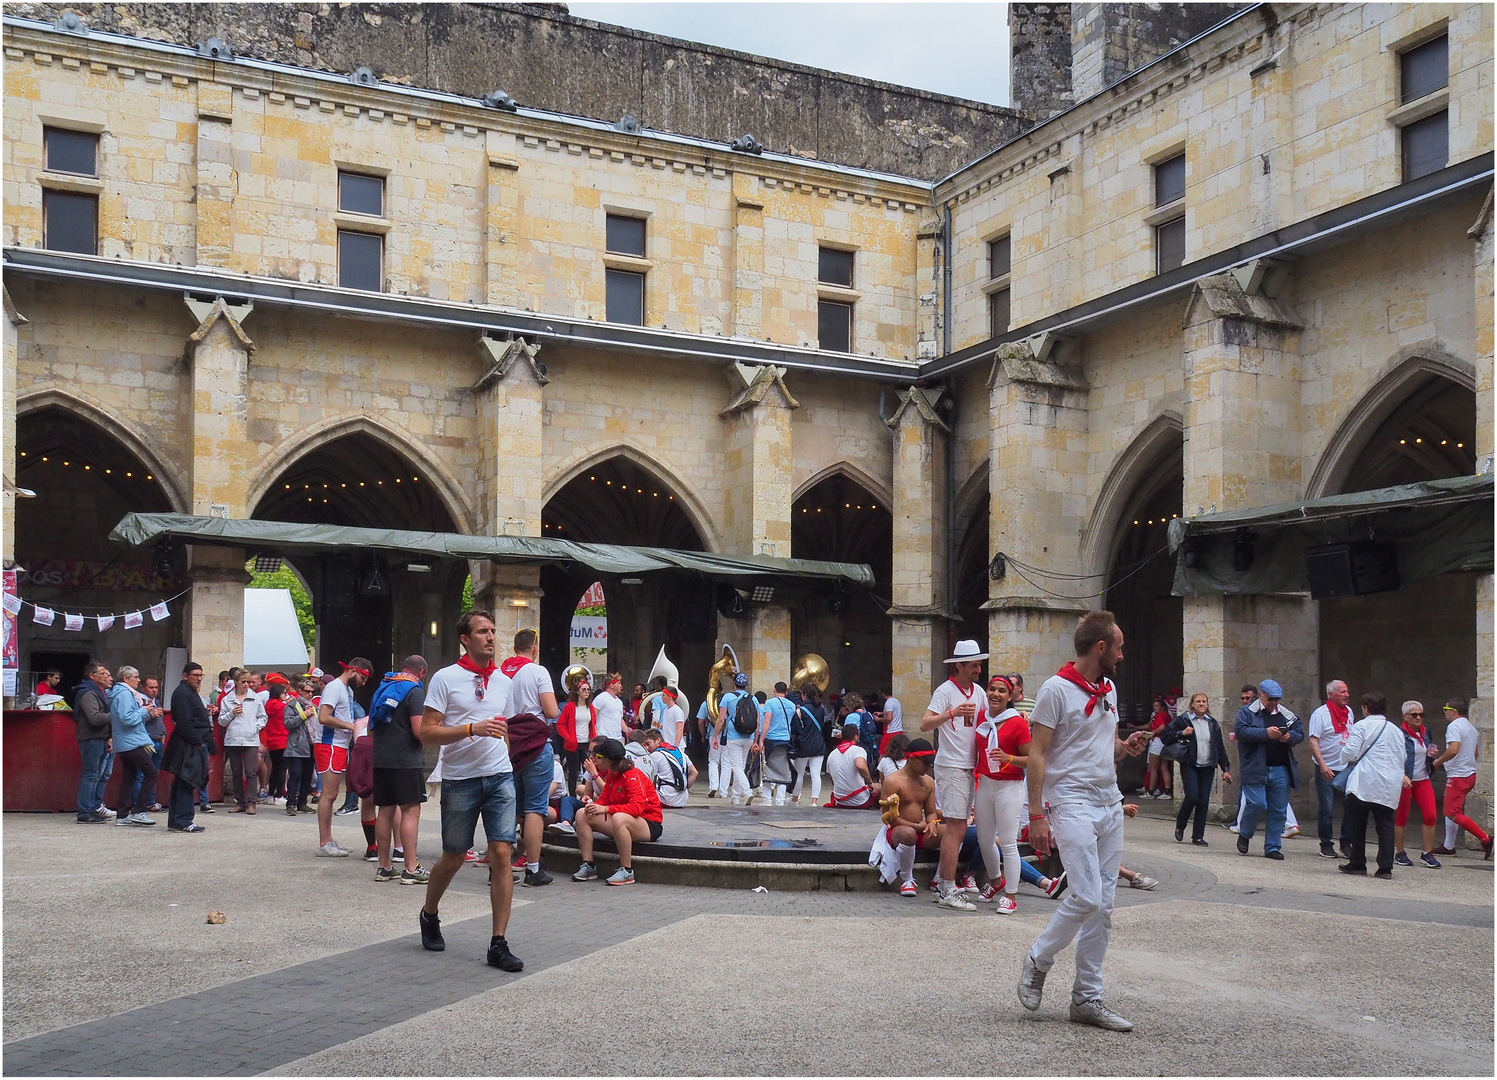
965 651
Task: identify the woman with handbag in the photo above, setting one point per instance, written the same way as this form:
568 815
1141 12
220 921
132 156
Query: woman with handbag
1194 739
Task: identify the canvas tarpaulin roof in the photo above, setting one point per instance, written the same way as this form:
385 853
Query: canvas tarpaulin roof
1437 527
284 537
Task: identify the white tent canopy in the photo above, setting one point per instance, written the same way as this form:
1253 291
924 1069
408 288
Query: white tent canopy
272 636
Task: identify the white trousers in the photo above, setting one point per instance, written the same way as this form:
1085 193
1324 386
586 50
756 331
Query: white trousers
1090 841
998 806
714 759
811 766
731 771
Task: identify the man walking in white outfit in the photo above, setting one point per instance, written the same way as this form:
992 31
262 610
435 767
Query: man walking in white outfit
1075 804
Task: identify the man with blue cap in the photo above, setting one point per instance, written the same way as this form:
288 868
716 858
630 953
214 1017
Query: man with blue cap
734 742
1266 736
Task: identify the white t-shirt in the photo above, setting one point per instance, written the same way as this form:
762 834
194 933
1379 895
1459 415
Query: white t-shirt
1331 744
336 695
887 766
1463 731
895 712
585 716
955 749
610 715
453 693
672 725
843 768
1421 759
558 776
666 769
1080 766
526 688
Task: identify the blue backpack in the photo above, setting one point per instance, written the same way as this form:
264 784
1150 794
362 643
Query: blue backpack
388 697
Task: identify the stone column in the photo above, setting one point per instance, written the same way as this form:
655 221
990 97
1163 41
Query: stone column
222 453
759 484
1242 449
1037 475
748 259
501 227
13 319
918 589
510 478
215 175
215 608
1480 805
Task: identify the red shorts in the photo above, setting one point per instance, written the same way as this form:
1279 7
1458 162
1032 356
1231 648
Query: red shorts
330 758
1456 790
1422 794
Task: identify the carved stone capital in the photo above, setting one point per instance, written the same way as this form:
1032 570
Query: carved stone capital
208 315
503 358
756 385
1224 296
918 405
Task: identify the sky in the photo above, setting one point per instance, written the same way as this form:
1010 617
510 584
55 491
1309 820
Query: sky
950 48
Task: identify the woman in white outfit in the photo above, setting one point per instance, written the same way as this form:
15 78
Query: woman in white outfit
1002 751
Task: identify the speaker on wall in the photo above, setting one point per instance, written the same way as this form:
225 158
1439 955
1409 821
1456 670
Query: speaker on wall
1352 569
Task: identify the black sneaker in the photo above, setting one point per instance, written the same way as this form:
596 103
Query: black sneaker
1356 871
1200 843
206 809
538 878
93 817
1276 856
1327 850
501 958
1384 874
1242 845
1179 836
431 932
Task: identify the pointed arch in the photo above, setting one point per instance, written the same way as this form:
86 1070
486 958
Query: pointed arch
1406 372
686 498
969 498
116 427
291 450
1133 478
846 468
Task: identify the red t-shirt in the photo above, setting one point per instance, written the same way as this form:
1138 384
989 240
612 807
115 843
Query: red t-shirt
1008 731
1160 721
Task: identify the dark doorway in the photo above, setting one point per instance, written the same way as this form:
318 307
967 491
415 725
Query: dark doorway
972 577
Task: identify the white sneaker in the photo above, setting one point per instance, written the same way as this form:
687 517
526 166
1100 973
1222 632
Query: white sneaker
331 850
955 901
733 800
564 827
1098 1015
111 814
779 800
138 819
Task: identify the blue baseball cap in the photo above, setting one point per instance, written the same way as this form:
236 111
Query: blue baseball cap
1271 688
741 681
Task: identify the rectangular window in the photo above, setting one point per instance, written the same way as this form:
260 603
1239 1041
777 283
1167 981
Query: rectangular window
1169 180
834 267
70 222
625 236
1424 69
361 194
625 296
998 313
1426 145
71 151
1000 257
834 326
361 260
1169 245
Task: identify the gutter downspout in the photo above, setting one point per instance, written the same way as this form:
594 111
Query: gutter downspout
950 508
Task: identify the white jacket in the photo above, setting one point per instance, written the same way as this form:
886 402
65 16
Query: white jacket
1378 777
244 729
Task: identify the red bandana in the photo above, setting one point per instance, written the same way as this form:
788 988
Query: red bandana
842 746
467 664
1417 732
513 664
1097 692
358 670
1340 716
921 753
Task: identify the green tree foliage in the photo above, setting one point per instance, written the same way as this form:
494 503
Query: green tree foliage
285 579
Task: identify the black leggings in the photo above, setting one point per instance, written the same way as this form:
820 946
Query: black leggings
140 760
298 781
1197 780
277 772
571 766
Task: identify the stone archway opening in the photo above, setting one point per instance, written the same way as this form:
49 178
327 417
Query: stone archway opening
621 501
85 481
972 561
840 520
365 603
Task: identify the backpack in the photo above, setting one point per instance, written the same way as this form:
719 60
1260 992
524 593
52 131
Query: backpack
746 715
677 777
388 697
868 734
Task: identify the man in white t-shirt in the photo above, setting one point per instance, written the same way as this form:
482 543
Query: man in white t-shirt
1329 728
853 786
953 712
1074 803
669 769
608 708
670 720
465 711
530 689
893 718
1462 742
335 713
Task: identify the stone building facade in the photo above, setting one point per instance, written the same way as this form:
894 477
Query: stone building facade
1224 280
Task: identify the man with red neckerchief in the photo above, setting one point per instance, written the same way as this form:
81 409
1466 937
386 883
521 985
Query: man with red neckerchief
953 709
1074 802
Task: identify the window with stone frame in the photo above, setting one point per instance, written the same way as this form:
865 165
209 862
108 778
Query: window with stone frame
834 326
70 219
1169 235
834 316
623 288
1424 137
1000 264
1424 69
361 255
1169 245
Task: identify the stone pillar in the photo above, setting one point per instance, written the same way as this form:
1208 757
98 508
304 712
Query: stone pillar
1242 450
748 259
215 608
1037 476
509 478
1480 806
502 218
222 453
920 604
13 319
759 484
215 175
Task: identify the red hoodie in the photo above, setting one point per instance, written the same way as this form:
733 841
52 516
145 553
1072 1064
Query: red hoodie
274 735
630 792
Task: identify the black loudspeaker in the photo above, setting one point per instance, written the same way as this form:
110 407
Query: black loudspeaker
337 585
694 613
1354 569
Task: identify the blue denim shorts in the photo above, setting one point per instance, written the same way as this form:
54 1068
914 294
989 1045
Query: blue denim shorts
464 800
533 783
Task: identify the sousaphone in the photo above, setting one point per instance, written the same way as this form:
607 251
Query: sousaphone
811 668
727 665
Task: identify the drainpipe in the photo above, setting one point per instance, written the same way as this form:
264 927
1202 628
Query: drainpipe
951 414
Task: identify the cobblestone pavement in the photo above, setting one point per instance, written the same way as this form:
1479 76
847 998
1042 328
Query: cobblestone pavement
320 971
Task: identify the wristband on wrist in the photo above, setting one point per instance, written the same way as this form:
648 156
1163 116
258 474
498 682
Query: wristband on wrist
1037 817
470 731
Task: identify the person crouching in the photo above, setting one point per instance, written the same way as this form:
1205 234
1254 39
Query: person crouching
628 811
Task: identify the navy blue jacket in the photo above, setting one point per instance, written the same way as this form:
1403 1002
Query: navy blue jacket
1172 734
1252 742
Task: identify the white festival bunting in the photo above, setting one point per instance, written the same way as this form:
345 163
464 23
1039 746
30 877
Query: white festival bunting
105 622
44 616
133 619
12 605
159 611
72 622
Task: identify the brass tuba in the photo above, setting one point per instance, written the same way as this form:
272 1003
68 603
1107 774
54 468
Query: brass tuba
574 677
666 670
811 668
727 665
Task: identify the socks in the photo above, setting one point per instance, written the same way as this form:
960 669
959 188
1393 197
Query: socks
1452 834
906 853
368 832
533 867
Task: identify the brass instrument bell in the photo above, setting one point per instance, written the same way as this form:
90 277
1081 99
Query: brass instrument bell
811 668
574 677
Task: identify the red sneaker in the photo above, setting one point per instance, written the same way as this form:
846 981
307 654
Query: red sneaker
990 891
909 888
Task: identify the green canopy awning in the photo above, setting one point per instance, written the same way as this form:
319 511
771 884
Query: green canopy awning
1437 527
608 560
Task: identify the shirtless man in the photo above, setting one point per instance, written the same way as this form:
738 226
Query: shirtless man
918 824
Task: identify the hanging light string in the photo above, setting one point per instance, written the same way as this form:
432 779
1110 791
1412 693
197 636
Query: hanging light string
1041 572
1066 596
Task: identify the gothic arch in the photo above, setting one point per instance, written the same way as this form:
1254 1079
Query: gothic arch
691 505
117 428
853 473
1127 482
293 449
969 499
1404 372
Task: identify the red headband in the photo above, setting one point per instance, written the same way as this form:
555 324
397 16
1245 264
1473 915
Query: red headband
1004 679
920 753
355 670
